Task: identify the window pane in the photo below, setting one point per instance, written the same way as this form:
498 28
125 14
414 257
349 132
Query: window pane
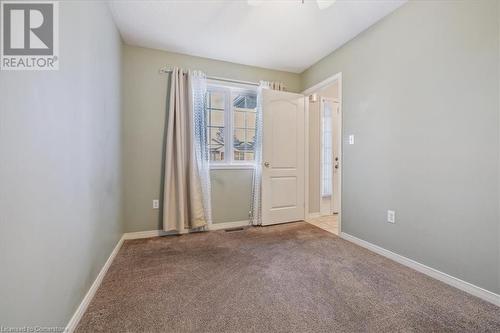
216 118
250 137
250 144
244 126
239 156
246 101
249 156
239 144
239 137
215 121
239 119
216 143
251 119
217 135
217 100
243 144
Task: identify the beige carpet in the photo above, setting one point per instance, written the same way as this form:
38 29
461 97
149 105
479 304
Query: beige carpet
286 278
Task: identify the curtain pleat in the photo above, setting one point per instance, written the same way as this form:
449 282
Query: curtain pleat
273 85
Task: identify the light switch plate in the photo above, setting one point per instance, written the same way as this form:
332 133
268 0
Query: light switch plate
351 139
391 216
156 204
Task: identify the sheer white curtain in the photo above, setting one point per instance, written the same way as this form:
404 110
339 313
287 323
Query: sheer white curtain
186 191
256 212
202 152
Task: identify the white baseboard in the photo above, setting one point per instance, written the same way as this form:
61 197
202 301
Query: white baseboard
313 215
93 288
228 225
149 234
434 273
157 233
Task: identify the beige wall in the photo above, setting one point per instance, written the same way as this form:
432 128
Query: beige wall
60 171
231 195
143 124
330 91
421 94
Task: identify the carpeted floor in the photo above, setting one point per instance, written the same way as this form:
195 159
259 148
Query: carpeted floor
286 278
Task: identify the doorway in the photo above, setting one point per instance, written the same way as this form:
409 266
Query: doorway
325 154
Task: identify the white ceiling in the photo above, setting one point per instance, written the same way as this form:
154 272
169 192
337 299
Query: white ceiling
284 35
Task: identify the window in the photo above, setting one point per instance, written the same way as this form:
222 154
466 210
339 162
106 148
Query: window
327 153
231 121
216 106
244 126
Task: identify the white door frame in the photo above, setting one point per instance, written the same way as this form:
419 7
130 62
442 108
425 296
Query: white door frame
328 81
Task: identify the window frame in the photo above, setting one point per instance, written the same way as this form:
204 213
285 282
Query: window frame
229 91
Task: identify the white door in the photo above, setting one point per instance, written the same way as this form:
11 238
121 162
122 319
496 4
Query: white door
326 156
330 156
283 157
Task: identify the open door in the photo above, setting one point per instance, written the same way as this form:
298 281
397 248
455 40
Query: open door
283 156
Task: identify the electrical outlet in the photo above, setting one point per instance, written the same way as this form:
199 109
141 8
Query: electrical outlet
351 139
391 216
156 204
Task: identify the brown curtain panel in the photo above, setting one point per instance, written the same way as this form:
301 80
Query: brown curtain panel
183 195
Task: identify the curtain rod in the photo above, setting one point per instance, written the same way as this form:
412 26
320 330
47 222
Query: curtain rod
166 70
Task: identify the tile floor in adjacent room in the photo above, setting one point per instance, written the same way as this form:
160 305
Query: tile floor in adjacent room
327 222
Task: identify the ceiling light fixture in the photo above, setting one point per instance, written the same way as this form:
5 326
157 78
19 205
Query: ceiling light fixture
322 4
255 2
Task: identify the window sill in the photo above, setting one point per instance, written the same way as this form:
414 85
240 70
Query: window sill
232 166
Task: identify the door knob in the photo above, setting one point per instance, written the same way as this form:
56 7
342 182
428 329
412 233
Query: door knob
267 164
